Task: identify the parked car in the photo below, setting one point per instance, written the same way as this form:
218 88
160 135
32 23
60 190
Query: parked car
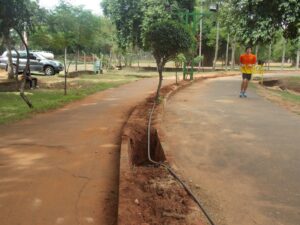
38 63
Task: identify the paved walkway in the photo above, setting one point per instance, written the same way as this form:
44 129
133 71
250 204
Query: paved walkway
62 167
243 154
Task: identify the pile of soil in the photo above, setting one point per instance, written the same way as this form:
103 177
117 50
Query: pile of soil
149 194
282 84
155 198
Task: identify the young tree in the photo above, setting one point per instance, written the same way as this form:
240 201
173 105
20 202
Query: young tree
18 15
166 40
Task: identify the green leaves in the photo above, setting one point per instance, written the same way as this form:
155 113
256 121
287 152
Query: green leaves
133 17
257 21
72 27
166 39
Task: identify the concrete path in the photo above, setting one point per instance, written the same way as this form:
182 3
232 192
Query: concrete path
62 167
243 154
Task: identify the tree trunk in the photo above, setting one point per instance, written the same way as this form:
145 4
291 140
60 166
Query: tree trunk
66 72
17 67
160 70
217 45
283 54
200 35
77 60
297 60
120 61
256 51
84 59
233 54
26 72
10 65
269 56
110 59
227 51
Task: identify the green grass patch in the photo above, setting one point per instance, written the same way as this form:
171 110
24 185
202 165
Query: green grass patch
13 108
288 96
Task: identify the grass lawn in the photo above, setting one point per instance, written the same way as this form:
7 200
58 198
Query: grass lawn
13 108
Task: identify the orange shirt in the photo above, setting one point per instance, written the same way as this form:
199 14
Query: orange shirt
248 61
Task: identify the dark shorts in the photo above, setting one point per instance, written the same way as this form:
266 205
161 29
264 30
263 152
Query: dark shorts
247 76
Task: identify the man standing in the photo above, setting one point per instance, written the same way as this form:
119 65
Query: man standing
247 61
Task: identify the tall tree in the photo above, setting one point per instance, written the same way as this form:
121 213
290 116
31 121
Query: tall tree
134 17
127 16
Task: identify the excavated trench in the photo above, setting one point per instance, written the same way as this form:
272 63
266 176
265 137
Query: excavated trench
149 194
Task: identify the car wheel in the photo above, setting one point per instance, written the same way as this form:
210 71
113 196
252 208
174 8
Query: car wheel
49 71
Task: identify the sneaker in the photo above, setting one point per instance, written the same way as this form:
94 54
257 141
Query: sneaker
241 94
245 95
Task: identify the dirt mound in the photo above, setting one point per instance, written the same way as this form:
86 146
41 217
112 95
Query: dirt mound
155 198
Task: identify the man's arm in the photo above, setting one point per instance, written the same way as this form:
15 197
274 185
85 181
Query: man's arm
241 61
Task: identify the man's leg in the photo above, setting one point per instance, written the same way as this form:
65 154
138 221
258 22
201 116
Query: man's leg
246 84
243 87
34 81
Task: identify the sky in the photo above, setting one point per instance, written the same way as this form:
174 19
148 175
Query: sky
93 5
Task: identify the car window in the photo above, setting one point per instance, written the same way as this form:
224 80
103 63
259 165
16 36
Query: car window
14 54
31 56
23 55
39 56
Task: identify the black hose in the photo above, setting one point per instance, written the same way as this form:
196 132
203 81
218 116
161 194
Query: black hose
172 172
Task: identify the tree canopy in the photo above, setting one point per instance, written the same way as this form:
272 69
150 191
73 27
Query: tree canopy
256 21
166 39
133 17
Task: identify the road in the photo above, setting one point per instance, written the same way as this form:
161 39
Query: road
240 155
62 167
